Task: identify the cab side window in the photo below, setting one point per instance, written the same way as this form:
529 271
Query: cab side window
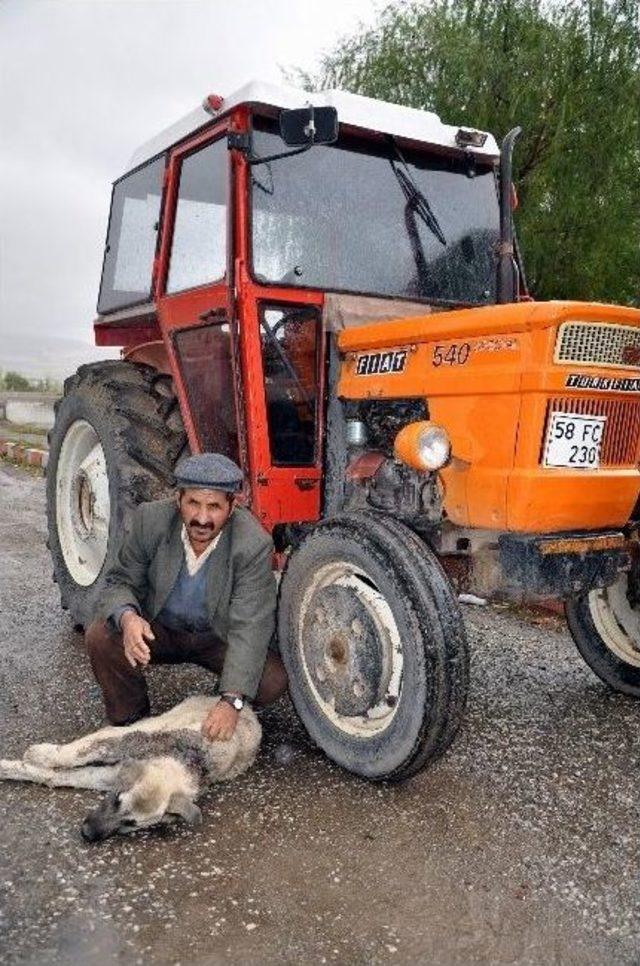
289 338
131 238
199 247
204 353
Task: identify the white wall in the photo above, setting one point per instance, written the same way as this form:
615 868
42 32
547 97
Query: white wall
35 408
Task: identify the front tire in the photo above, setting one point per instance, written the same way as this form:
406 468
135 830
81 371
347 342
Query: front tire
374 645
605 625
117 435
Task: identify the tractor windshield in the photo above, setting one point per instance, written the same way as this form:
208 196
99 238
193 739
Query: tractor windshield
363 217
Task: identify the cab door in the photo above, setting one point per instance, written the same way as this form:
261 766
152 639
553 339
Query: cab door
283 361
193 302
282 347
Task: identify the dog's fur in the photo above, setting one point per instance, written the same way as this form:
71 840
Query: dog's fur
154 769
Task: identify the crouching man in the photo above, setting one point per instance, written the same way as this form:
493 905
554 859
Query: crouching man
192 583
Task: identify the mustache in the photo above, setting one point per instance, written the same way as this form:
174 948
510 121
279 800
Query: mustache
200 526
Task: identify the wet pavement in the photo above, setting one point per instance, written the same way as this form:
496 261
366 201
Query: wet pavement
520 846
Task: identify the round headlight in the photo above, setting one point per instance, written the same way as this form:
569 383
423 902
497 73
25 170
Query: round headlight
434 447
423 446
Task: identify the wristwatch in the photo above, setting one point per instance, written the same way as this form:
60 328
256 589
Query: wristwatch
234 700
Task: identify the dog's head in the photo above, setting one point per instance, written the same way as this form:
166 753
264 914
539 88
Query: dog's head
158 791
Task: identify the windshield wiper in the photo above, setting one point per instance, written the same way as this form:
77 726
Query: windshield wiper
416 199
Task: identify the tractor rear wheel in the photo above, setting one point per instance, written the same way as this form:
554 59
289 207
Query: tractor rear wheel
605 625
374 644
117 435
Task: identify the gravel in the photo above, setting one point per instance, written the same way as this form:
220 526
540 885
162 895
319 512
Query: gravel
519 846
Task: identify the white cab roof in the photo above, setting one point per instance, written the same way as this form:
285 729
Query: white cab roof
363 112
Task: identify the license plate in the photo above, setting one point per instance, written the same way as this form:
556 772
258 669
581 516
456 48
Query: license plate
574 440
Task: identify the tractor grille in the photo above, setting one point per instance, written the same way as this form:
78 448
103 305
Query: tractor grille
621 440
598 344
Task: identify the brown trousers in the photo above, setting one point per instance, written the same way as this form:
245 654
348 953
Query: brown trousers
124 688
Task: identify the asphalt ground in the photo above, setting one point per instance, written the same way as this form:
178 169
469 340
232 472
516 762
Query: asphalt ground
520 846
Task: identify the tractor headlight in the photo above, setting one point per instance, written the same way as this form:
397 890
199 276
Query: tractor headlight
423 446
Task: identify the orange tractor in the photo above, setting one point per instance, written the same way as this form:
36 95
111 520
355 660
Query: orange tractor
330 293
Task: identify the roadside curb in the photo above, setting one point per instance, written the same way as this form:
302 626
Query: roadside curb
24 455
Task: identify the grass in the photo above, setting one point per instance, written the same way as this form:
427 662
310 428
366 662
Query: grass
13 429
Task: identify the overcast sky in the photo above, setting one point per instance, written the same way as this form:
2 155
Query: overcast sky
82 84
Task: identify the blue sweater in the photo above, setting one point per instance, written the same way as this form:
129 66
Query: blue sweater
185 608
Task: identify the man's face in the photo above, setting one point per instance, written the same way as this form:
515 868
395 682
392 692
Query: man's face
204 513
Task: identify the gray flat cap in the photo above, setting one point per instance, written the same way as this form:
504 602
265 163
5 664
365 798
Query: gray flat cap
209 471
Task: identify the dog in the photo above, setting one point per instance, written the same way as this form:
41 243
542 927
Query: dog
154 770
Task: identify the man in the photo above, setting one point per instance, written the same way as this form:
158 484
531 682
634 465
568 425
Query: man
192 582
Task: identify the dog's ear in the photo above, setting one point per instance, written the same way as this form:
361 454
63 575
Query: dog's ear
180 804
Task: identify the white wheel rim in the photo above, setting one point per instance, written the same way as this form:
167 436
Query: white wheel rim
82 502
379 716
616 621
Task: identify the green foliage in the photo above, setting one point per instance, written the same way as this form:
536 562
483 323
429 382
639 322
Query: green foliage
569 74
15 382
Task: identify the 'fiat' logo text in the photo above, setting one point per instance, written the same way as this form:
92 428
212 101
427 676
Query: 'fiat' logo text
381 363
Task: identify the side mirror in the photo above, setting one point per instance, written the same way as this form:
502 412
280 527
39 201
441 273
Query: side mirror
309 125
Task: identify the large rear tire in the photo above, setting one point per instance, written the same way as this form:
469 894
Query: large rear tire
605 625
374 644
117 435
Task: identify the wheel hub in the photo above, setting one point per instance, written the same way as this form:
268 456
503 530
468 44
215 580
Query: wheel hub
343 651
616 616
82 502
86 499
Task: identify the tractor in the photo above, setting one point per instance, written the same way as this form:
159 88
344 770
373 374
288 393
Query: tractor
328 289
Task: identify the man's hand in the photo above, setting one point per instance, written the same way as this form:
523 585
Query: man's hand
221 722
136 632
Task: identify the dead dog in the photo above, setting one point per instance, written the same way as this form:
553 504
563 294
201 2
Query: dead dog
154 770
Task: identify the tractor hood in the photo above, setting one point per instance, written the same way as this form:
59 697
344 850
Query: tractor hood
427 324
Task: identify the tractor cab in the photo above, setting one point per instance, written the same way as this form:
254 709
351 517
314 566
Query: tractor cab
230 230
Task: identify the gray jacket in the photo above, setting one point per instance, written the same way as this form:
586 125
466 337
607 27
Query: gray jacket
241 588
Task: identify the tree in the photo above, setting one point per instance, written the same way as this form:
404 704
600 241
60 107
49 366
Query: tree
15 382
47 384
569 74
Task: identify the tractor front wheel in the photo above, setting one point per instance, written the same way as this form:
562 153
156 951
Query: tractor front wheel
605 625
374 644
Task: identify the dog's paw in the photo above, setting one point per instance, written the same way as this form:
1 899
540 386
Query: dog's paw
9 768
44 755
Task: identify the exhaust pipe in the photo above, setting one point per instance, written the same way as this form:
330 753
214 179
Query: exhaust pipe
506 270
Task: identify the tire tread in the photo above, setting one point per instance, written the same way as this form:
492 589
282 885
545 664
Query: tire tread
141 416
425 584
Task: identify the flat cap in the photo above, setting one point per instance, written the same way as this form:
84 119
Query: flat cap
209 471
